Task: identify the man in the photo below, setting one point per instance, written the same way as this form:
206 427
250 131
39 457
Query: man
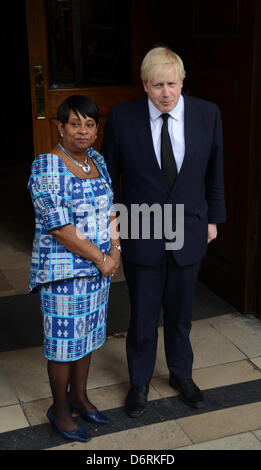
165 149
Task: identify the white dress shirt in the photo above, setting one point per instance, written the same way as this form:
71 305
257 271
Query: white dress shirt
175 127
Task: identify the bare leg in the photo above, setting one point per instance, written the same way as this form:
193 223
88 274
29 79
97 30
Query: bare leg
78 384
59 376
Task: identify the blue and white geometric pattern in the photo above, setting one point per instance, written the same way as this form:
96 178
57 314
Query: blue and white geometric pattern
61 198
74 316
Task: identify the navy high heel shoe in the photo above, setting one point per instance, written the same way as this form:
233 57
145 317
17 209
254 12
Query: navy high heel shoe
76 435
95 417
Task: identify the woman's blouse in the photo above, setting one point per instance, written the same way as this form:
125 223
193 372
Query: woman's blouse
60 198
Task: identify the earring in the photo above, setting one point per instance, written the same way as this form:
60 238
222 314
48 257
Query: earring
61 135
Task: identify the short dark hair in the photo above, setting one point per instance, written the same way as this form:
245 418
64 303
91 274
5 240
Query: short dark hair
85 105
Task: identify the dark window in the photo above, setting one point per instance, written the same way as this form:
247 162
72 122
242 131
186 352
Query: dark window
89 42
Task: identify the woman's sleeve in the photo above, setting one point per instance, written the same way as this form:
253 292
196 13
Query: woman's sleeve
47 187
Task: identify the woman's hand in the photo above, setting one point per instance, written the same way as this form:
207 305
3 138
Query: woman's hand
106 266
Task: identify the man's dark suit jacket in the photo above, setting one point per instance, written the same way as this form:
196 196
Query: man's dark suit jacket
137 178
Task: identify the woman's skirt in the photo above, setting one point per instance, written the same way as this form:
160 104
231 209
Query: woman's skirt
74 316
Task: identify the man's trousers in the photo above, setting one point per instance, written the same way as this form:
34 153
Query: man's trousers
169 286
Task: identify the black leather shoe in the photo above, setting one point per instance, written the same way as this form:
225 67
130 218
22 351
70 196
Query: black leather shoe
136 401
189 392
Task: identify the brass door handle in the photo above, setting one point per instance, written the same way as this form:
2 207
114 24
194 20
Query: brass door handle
39 91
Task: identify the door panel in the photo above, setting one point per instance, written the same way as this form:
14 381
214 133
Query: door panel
89 43
223 56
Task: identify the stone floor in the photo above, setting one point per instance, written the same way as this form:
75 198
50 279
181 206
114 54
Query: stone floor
227 367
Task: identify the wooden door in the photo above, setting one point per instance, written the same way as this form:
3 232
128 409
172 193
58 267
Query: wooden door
82 47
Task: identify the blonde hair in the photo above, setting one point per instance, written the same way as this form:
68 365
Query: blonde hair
158 57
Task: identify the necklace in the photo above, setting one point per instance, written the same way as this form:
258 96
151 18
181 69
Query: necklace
84 166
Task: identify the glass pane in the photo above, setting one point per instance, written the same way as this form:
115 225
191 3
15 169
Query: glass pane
89 42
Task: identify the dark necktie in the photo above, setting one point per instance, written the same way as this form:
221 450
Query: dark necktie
168 163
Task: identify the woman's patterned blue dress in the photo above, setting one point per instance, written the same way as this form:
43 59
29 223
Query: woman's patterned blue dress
73 293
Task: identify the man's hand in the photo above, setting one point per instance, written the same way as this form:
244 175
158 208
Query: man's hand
212 232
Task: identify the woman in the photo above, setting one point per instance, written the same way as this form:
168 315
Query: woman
73 259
